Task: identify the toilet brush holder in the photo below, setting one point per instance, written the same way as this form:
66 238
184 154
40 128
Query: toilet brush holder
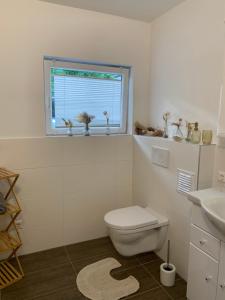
167 274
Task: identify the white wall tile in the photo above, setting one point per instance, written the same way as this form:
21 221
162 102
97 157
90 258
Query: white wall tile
67 185
90 191
124 183
31 152
41 198
156 186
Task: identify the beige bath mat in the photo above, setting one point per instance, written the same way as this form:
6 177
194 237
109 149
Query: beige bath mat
96 283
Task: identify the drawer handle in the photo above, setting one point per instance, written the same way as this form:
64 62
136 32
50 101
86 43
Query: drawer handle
202 242
208 278
222 286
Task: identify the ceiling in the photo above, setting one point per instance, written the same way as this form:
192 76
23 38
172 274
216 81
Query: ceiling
144 10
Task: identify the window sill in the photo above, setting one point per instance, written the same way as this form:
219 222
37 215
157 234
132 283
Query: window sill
91 135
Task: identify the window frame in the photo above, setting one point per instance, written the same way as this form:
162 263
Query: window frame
125 71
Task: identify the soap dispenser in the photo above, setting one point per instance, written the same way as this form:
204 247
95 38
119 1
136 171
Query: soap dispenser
196 135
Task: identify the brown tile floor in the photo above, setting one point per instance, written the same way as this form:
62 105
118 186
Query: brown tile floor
50 275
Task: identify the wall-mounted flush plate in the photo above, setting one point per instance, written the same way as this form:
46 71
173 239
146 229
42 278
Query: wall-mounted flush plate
221 176
160 156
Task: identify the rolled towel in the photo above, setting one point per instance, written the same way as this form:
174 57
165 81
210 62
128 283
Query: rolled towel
2 204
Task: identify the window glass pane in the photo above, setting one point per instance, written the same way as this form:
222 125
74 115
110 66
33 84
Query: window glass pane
76 91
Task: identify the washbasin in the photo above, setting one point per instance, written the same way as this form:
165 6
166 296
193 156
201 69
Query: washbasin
215 210
212 202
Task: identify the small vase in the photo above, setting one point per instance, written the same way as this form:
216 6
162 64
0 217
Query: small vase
69 131
165 131
207 136
107 132
189 133
86 130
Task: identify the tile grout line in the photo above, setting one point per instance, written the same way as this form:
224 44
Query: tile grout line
74 269
49 293
142 293
150 274
70 261
162 287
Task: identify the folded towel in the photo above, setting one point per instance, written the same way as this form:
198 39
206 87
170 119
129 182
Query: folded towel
2 204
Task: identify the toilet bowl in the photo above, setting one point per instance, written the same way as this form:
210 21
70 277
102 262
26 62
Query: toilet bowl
135 230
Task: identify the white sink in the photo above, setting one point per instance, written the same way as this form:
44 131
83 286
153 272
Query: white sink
215 210
212 202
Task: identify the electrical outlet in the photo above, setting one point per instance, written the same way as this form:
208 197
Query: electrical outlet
221 176
19 223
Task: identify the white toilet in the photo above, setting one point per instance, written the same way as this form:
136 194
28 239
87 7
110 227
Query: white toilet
136 230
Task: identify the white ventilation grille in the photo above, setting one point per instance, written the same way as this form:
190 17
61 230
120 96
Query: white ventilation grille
185 181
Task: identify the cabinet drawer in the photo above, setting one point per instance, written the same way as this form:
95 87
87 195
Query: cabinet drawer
205 241
202 275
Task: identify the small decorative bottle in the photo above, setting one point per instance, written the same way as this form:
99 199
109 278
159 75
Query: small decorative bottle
86 129
196 135
165 119
69 131
106 114
189 131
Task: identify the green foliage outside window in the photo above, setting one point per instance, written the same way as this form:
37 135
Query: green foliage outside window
85 74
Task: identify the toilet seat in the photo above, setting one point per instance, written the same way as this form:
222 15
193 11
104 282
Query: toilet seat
130 218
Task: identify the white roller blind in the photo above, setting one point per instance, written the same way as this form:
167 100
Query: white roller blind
72 95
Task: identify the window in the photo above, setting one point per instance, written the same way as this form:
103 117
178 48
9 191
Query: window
75 87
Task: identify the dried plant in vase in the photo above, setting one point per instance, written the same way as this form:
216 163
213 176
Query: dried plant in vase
106 114
69 124
86 119
190 128
178 137
166 117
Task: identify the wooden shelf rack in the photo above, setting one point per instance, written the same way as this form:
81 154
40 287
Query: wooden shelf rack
8 274
10 240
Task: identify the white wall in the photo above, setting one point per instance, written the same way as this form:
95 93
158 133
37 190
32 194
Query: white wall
31 29
187 48
220 153
66 184
186 62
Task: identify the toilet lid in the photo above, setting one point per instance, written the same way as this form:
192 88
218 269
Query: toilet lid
130 218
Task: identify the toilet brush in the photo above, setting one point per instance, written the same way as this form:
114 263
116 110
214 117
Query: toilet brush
168 257
167 270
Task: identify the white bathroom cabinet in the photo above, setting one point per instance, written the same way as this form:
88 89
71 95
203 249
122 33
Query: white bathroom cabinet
206 273
221 278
